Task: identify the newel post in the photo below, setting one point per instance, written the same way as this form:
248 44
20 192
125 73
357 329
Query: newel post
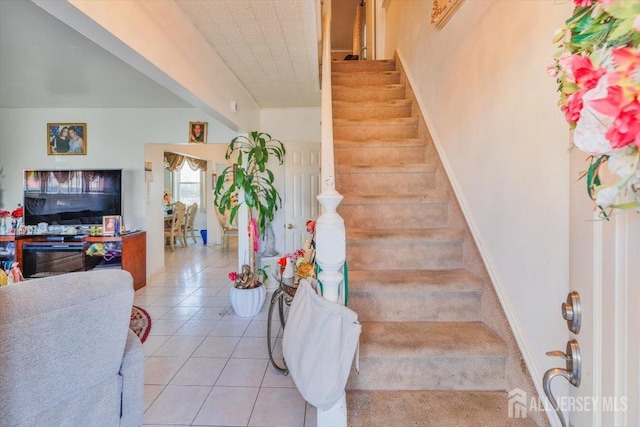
330 257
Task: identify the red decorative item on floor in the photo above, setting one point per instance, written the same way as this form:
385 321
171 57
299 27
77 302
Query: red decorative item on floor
140 322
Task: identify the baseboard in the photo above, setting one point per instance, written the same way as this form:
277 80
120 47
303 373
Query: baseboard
490 265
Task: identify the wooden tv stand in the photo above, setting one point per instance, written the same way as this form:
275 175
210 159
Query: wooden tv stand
129 251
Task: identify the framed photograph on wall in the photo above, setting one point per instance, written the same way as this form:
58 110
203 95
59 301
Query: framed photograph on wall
198 132
66 139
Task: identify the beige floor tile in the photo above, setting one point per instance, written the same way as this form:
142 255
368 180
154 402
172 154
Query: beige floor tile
151 391
229 328
177 405
273 378
160 370
179 345
251 348
243 373
210 313
217 347
165 326
200 371
153 342
311 416
180 312
227 406
198 327
257 328
167 301
268 408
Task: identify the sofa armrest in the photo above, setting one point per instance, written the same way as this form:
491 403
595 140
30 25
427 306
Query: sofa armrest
132 372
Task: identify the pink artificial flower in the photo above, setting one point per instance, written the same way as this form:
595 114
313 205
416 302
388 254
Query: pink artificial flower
311 227
626 127
564 62
233 276
552 68
574 106
585 75
583 3
605 2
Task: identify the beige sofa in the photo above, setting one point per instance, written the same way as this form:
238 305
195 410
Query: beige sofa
67 356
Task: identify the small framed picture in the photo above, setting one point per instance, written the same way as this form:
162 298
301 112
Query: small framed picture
198 132
66 139
111 225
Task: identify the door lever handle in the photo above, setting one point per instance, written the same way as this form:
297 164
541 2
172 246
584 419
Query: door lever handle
572 373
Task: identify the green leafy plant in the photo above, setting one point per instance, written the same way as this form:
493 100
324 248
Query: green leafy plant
251 181
251 177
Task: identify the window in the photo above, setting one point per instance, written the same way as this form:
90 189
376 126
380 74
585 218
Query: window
188 183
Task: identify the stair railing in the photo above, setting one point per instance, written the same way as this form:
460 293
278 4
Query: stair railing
330 230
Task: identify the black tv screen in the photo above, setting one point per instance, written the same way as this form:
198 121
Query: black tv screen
71 197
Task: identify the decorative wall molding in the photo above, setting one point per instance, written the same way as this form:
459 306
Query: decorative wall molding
443 10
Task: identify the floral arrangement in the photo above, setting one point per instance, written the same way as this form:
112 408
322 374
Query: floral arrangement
597 67
17 212
302 260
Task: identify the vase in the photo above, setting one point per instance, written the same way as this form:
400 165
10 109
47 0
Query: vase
247 302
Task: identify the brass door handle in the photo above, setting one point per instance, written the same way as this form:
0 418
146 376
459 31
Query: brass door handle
289 226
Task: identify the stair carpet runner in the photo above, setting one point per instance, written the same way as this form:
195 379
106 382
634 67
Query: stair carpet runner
426 358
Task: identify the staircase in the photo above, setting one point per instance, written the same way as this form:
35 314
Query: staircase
435 348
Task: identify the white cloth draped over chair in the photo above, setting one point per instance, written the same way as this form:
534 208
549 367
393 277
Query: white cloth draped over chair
173 227
228 229
189 218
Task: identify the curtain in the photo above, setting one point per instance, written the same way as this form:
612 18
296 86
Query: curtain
174 162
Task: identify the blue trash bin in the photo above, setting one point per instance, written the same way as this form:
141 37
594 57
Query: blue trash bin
203 233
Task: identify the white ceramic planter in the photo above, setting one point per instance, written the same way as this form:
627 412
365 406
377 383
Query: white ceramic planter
247 302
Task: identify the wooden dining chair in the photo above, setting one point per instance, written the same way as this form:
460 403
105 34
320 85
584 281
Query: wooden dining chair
173 230
228 230
189 218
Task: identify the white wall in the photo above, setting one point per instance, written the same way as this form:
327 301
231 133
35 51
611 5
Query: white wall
288 125
482 84
116 138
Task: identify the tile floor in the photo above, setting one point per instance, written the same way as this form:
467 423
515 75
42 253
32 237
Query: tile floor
205 366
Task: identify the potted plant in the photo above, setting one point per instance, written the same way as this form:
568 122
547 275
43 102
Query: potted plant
252 181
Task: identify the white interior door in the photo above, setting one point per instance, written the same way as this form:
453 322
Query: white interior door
302 185
605 270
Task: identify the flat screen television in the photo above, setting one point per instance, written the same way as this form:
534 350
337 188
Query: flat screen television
71 197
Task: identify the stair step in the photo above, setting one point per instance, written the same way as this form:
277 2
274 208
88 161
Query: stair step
368 93
383 129
415 295
371 180
440 408
357 66
399 152
404 249
391 211
372 109
429 355
367 78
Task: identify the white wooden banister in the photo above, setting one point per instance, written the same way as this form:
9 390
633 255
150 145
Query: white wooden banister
330 231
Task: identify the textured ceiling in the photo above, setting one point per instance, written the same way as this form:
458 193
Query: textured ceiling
271 45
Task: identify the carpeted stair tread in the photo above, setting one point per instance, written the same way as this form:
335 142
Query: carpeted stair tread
429 197
431 408
367 169
407 142
424 236
376 122
413 340
339 78
357 66
372 104
419 281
